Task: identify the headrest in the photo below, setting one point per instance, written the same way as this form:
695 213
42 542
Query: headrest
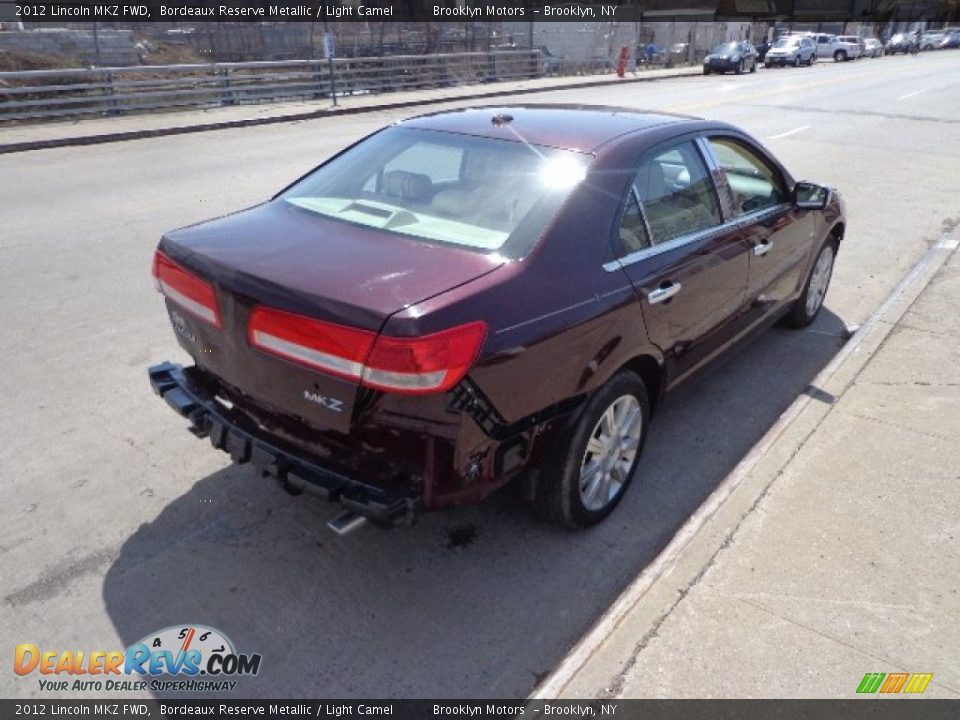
407 185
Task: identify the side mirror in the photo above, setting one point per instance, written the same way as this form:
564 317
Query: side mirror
810 196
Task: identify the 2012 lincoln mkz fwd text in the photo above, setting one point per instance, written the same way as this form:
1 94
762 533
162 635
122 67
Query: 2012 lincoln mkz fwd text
475 296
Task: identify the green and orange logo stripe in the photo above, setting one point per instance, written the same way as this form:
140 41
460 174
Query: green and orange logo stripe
894 683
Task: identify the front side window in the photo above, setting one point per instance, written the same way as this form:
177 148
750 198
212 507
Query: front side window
676 193
755 184
478 193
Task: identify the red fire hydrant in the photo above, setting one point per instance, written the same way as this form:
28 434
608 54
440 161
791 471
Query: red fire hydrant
622 63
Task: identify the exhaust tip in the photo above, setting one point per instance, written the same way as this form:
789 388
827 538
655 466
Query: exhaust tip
346 522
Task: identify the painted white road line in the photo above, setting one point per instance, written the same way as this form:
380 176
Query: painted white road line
588 645
788 133
910 95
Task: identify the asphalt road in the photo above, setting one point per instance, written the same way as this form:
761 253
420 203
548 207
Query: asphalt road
115 522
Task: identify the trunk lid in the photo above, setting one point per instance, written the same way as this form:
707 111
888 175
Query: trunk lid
286 258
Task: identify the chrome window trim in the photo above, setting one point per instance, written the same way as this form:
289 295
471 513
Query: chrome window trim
733 224
677 242
761 215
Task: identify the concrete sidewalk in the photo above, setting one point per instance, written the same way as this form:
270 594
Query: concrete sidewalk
833 552
15 138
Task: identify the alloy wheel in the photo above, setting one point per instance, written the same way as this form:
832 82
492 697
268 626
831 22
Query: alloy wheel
819 280
610 453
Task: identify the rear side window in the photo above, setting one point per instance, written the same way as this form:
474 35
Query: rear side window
756 185
676 193
633 229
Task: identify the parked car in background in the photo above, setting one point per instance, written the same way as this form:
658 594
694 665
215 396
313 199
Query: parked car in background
872 47
899 43
831 46
931 40
793 50
950 40
854 40
738 57
486 294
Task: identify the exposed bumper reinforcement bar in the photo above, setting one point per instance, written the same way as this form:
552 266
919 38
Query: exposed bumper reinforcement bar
209 418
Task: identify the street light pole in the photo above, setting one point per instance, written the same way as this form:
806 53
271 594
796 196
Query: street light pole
328 50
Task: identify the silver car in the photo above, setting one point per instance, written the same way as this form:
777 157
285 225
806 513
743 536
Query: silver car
872 47
793 50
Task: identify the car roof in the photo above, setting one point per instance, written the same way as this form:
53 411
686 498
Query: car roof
573 127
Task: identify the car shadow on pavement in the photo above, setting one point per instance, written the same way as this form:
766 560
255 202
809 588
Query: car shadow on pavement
475 602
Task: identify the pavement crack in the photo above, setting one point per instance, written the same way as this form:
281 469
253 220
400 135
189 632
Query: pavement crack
905 428
615 688
827 636
54 580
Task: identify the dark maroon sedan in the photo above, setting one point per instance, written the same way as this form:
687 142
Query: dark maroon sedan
479 295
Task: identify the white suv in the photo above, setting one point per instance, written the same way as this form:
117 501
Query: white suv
837 48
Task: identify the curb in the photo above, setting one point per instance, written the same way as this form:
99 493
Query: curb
311 115
695 545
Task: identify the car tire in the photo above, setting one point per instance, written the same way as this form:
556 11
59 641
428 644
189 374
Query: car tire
839 56
706 71
796 61
806 308
753 68
739 68
588 481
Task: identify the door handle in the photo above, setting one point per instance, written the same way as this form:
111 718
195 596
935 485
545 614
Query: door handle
663 293
762 248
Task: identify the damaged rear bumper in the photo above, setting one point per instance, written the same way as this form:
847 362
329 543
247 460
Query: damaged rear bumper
245 443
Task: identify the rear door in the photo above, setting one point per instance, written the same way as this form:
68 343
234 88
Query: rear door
780 236
687 265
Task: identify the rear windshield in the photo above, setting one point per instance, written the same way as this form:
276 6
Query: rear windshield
481 194
787 42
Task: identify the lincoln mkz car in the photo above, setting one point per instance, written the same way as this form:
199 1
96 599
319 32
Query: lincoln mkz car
482 295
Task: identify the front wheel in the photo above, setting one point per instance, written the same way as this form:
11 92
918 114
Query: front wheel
807 306
601 457
753 68
739 70
796 61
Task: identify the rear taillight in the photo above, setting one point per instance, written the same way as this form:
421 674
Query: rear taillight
185 289
428 364
410 366
332 348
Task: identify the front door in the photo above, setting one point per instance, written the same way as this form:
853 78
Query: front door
688 268
780 236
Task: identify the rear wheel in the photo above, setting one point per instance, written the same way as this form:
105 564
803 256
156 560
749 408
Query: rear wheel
807 306
591 477
839 56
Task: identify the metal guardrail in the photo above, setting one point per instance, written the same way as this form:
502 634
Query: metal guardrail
52 94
